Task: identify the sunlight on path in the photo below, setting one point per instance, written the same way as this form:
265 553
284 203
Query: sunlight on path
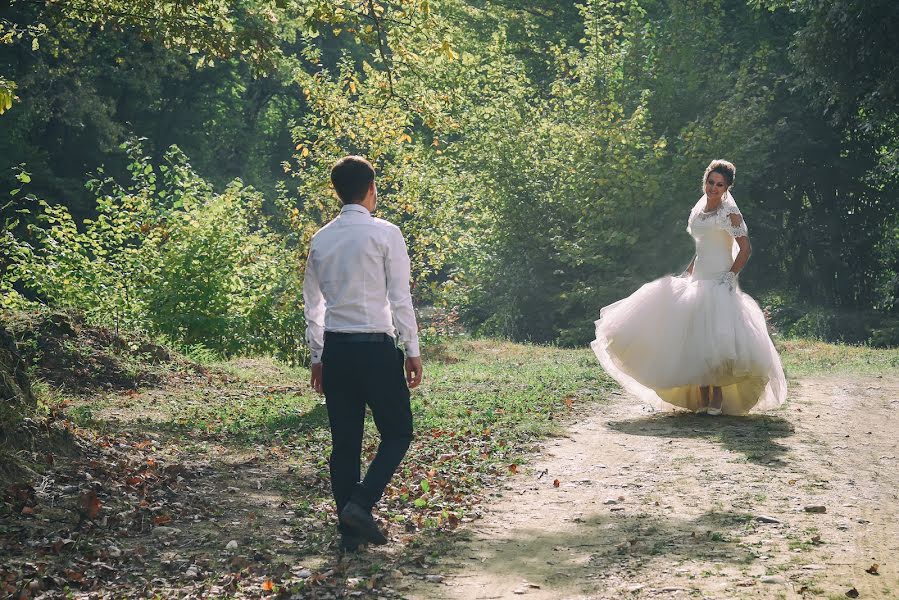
656 505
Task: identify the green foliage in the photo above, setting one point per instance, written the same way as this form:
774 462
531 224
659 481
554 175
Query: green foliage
805 357
7 94
168 255
540 157
570 183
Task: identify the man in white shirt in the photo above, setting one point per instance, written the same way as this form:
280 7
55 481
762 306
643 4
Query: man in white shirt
357 305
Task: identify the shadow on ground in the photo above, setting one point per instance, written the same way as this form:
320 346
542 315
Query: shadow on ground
754 436
609 543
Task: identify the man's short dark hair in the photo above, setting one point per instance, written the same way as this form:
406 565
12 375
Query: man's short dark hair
351 176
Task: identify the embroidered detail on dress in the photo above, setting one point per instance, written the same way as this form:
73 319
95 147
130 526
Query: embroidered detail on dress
735 230
720 217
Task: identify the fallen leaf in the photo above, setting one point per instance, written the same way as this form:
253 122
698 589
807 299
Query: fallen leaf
556 483
872 570
853 593
76 576
513 468
90 504
267 585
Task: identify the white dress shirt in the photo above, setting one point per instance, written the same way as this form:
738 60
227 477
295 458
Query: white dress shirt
357 281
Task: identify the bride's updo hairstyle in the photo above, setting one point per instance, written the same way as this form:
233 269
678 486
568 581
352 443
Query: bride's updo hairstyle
725 168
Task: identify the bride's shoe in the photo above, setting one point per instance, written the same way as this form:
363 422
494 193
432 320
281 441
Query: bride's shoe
702 410
713 411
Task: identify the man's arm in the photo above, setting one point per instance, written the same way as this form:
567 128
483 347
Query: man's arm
400 298
314 310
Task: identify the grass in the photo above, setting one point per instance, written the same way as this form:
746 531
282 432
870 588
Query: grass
504 390
803 358
507 391
512 388
482 405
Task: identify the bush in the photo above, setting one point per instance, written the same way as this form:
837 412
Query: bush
793 319
885 334
169 256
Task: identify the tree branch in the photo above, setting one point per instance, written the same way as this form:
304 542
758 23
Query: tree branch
382 46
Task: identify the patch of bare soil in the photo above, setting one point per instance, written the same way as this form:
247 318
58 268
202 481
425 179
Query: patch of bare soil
797 503
79 358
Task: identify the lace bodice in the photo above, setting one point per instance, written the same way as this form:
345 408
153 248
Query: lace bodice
720 218
715 233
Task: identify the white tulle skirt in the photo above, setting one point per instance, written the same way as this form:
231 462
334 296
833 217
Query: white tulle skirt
674 335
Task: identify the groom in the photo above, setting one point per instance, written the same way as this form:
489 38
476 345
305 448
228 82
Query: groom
358 305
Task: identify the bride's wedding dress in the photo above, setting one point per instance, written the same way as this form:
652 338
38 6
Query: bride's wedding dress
676 334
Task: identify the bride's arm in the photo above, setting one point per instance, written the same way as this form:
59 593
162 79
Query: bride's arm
689 269
743 243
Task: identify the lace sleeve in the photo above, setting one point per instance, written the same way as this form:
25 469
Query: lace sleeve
734 223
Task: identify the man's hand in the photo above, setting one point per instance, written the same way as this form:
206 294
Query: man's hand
316 379
413 371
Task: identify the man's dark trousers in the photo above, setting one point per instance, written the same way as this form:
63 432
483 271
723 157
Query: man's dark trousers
355 374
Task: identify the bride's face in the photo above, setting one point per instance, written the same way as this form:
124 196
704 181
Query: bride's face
715 186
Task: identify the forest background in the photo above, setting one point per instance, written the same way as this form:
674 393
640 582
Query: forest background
164 163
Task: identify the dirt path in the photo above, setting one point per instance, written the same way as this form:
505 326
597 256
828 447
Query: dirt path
667 506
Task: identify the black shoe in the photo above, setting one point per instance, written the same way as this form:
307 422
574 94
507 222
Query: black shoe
350 542
361 521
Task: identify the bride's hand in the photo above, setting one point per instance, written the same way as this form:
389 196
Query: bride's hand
728 279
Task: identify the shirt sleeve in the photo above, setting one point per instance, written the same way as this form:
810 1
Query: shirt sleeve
314 310
399 295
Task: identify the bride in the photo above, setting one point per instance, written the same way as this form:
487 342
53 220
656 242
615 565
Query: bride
696 341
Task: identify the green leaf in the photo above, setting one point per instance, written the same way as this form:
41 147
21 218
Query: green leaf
425 486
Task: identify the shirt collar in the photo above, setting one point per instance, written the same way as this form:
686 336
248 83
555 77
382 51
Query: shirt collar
355 208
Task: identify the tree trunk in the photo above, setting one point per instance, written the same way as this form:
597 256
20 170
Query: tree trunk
15 389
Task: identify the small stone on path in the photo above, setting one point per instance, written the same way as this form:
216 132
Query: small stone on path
165 531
